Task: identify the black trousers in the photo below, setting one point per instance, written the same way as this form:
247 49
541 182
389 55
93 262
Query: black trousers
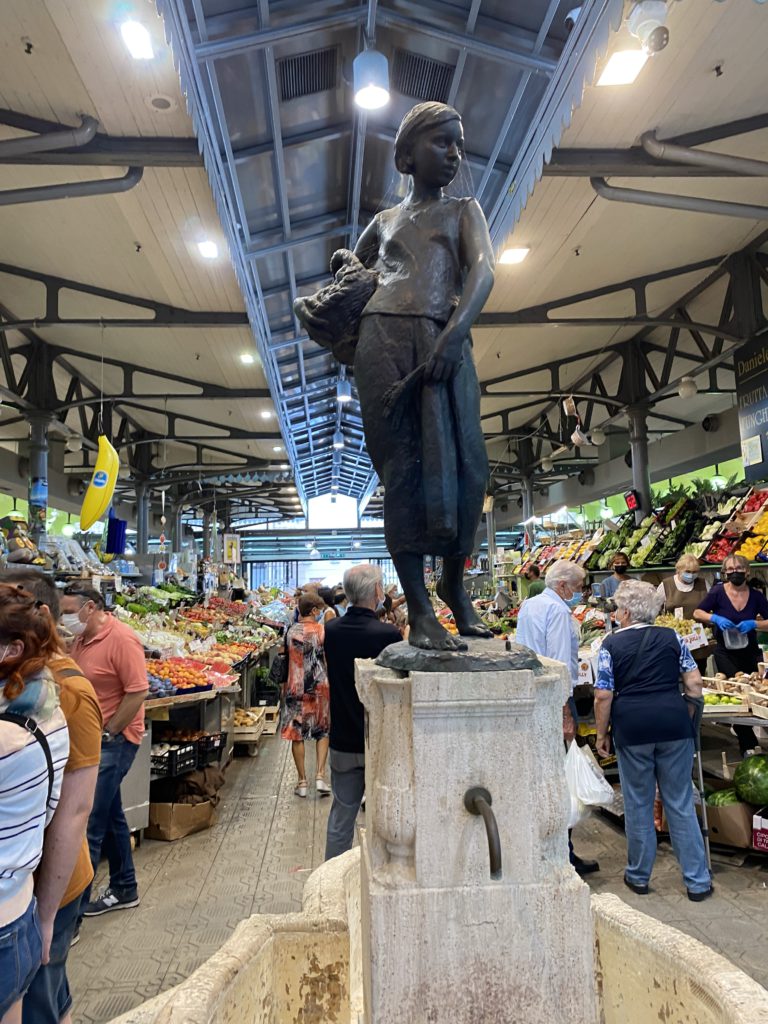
731 662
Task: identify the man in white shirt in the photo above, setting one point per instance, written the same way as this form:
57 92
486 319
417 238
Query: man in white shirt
545 625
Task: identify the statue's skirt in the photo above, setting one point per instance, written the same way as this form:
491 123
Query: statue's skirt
434 465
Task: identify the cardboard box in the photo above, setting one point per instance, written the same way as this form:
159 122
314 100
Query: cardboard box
174 821
729 826
760 829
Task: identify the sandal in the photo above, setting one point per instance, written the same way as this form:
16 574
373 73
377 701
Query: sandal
301 788
322 786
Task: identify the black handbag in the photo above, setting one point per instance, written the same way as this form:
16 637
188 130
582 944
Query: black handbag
278 670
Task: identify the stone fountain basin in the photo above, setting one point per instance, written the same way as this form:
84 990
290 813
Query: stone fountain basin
306 968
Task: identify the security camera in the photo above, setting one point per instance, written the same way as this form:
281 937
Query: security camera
571 18
711 424
646 23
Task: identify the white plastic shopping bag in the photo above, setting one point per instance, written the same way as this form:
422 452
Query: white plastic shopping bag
587 784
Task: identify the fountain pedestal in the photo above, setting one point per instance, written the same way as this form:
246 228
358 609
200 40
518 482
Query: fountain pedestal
443 943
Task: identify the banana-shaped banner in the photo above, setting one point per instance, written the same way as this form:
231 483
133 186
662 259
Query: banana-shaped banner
102 485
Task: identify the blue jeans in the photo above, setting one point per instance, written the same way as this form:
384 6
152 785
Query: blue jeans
108 831
21 949
48 997
669 764
348 785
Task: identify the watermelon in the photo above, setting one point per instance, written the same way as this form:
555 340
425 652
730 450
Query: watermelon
723 798
751 779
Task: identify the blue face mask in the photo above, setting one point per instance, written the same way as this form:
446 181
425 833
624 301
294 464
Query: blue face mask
575 601
688 577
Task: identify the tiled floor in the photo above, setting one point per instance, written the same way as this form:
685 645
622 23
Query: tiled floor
259 854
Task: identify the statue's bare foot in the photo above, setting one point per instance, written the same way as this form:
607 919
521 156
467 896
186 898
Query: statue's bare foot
468 622
429 635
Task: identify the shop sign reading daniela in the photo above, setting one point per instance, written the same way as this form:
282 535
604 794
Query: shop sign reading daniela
751 366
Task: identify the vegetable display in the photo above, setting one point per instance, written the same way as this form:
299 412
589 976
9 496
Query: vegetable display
751 779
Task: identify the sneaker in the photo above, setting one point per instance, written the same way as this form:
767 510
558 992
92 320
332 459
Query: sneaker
75 939
322 787
301 789
109 900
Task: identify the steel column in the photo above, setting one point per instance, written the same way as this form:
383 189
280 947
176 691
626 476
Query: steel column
142 519
38 475
638 444
207 535
490 528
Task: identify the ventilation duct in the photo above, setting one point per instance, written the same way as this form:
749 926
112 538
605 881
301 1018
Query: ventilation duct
421 77
307 73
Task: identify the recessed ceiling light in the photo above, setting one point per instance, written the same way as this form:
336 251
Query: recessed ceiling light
137 40
623 67
513 255
208 249
277 447
247 358
266 414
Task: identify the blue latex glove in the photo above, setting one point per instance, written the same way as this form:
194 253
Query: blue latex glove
722 623
747 626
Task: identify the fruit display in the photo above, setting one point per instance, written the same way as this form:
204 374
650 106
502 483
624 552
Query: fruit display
720 699
682 626
751 779
755 501
720 548
723 798
245 719
182 673
159 686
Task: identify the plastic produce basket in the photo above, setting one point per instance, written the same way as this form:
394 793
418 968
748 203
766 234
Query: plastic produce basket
176 761
209 748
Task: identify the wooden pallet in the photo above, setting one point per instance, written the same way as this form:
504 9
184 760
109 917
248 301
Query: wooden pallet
271 719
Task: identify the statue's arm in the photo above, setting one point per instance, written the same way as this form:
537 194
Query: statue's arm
476 254
367 248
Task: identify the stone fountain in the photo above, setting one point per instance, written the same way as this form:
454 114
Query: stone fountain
460 908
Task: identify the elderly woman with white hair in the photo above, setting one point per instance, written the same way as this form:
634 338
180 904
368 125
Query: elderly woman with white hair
638 691
546 625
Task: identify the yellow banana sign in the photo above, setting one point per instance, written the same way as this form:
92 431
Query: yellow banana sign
102 485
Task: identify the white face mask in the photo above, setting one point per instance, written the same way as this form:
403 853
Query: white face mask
72 623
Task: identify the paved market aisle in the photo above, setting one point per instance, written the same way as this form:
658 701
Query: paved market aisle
259 854
195 891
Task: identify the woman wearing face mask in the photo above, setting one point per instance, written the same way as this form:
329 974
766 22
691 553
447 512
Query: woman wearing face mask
736 612
307 711
682 593
620 567
32 759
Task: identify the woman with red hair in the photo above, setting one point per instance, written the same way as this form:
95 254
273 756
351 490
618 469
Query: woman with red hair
34 745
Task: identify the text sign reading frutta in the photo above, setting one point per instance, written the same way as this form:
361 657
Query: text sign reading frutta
751 365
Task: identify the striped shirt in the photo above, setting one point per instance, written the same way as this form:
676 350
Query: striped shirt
24 812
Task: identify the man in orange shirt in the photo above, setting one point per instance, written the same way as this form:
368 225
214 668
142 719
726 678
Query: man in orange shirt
111 655
65 870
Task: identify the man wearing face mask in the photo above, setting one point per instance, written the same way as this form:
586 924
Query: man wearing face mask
357 634
546 625
620 567
111 656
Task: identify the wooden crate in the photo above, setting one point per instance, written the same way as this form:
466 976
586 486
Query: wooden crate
271 719
251 733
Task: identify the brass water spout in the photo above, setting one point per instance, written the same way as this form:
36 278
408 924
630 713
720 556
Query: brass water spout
478 800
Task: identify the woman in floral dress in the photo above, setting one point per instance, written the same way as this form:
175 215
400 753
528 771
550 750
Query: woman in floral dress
307 699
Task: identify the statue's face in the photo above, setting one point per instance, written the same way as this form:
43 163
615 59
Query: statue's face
437 154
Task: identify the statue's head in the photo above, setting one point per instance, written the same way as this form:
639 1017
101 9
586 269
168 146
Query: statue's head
430 143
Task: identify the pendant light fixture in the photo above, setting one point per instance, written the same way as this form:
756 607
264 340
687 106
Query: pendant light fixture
338 440
370 79
343 392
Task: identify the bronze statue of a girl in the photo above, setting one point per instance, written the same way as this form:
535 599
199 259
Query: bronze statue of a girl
419 394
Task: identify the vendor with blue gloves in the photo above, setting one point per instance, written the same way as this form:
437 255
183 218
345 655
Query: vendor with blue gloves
736 612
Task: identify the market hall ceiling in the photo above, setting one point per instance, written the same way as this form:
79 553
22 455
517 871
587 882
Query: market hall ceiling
296 172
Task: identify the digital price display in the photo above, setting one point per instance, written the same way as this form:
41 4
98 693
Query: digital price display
632 499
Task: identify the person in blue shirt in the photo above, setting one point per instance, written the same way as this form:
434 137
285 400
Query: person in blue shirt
620 566
545 624
638 690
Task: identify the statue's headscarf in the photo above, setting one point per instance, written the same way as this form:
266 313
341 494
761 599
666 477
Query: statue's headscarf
418 118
